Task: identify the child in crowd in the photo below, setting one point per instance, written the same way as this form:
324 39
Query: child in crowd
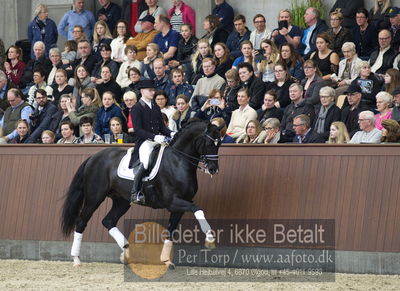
68 56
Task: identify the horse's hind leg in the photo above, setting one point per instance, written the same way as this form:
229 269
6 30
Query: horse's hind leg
119 208
89 207
179 204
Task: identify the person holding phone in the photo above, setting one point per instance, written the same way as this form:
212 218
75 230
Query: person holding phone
215 106
286 32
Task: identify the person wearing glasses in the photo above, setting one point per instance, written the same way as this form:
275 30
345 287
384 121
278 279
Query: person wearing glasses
271 126
365 35
327 112
348 9
338 34
304 132
385 57
260 33
368 133
254 133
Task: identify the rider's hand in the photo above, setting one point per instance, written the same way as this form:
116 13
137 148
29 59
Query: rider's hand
159 138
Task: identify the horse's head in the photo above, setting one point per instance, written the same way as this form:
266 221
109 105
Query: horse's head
208 148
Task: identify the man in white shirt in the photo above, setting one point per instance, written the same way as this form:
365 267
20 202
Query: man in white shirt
368 132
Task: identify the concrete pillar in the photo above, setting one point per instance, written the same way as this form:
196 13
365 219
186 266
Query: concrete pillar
9 22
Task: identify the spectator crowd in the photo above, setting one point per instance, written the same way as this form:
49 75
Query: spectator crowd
333 81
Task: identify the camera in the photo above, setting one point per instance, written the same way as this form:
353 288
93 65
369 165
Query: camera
283 24
214 101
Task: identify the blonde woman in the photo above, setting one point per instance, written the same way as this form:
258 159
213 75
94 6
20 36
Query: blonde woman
265 68
101 34
203 51
338 133
253 132
383 102
377 14
152 53
183 112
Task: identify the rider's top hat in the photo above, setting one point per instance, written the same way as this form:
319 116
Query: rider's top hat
147 84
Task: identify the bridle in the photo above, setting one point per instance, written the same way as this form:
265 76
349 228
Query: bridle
204 159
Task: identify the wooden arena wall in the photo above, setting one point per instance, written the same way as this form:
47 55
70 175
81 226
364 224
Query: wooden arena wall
358 186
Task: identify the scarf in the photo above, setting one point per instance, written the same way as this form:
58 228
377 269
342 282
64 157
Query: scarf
42 26
320 124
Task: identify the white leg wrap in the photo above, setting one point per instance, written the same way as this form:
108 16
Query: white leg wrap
205 227
119 237
76 245
166 251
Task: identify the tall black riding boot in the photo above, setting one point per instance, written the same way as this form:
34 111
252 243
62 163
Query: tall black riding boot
137 196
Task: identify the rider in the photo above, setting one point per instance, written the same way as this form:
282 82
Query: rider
148 124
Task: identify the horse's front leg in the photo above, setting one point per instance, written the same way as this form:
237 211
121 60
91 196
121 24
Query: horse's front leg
179 204
165 256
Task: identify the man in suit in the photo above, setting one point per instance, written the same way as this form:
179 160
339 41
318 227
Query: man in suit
304 133
87 58
148 124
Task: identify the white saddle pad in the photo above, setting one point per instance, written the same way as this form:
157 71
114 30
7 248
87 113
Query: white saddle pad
125 173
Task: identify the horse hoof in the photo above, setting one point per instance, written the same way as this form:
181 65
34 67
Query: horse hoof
210 244
75 265
171 266
77 262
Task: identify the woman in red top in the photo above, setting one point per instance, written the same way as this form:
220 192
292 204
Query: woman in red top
14 67
182 13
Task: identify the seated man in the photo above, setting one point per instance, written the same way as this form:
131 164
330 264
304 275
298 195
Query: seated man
206 84
87 58
350 113
162 79
240 34
18 109
142 39
304 133
385 57
396 107
167 38
368 133
86 126
41 117
148 123
296 107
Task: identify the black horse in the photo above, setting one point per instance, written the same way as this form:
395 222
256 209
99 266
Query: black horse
173 188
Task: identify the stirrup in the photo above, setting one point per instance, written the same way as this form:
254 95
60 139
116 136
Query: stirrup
138 198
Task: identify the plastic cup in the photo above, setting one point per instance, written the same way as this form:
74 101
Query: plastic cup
107 138
120 138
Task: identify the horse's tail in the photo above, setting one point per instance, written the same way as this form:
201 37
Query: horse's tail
73 202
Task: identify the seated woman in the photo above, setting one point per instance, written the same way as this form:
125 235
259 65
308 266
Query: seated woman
152 53
186 47
67 133
89 107
349 68
286 32
116 131
22 128
48 137
81 82
232 88
293 61
101 34
131 62
179 86
87 136
337 33
39 80
268 109
130 99
60 87
61 115
215 106
14 66
383 102
121 35
254 133
326 59
105 52
104 114
214 33
223 58
283 80
107 83
390 131
246 47
194 69
265 68
242 115
392 80
272 128
220 122
369 83
134 77
338 133
183 112
312 78
162 101
326 113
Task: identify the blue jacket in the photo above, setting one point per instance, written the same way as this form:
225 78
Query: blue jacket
234 40
50 37
185 89
103 117
224 11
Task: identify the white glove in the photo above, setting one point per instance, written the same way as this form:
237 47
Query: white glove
173 134
159 138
